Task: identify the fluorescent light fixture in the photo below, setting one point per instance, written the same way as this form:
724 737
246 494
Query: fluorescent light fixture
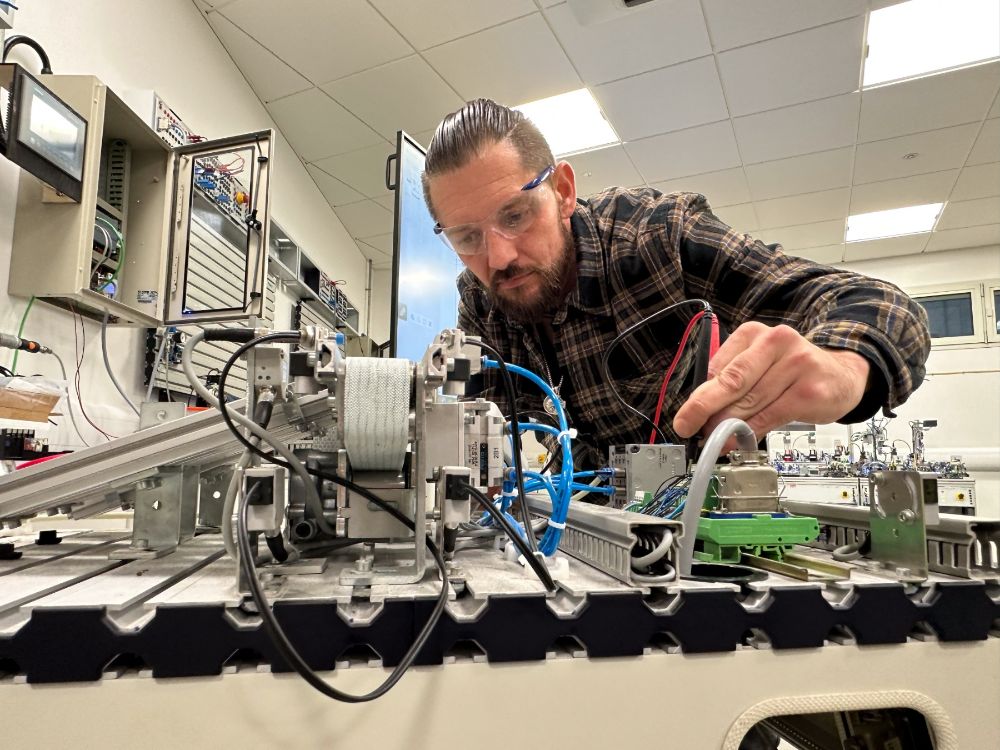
571 122
893 223
923 37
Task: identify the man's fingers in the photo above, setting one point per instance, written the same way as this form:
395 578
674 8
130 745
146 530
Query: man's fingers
737 378
775 383
739 341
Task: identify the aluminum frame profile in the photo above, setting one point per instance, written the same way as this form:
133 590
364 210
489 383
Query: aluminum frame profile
604 537
90 481
963 546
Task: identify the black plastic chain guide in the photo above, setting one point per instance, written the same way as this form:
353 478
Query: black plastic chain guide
186 641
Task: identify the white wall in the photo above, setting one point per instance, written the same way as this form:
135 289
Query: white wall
168 47
962 389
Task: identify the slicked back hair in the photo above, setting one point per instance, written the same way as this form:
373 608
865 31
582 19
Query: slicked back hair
469 131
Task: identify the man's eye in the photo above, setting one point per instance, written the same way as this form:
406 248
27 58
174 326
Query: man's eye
515 217
467 240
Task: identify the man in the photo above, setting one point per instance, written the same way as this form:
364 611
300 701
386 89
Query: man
550 281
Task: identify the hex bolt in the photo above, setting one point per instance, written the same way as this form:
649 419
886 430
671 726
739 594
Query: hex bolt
907 516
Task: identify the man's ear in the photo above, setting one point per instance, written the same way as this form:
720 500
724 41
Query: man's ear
564 180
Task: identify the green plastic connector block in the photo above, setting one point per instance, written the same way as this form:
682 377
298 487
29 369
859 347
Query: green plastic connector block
725 537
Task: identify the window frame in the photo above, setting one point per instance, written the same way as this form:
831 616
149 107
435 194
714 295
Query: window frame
975 292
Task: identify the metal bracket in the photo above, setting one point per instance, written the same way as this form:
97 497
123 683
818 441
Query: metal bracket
165 508
903 503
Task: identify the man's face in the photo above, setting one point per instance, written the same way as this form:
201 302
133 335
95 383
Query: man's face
526 275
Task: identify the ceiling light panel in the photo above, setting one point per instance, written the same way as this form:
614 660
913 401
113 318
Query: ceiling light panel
571 122
923 37
893 223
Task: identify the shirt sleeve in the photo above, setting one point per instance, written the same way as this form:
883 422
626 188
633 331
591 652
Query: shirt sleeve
745 279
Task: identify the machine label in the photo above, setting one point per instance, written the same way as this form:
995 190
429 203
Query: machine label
146 296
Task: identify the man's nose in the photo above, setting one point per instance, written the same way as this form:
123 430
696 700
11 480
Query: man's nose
500 251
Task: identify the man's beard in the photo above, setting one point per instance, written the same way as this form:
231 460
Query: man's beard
554 282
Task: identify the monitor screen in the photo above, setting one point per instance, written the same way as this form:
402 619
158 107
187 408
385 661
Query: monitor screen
424 295
51 129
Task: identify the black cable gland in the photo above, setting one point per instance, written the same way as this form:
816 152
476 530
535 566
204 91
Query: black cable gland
265 490
236 335
48 536
450 538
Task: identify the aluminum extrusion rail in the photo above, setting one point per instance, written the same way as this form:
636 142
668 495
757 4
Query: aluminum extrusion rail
602 536
89 481
957 545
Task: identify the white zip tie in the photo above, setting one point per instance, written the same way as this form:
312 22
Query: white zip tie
570 433
512 493
556 524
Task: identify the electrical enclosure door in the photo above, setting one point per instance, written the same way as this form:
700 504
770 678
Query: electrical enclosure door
218 230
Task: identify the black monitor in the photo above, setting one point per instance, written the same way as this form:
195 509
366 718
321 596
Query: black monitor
424 269
42 134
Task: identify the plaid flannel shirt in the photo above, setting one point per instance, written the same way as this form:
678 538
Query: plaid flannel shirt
638 251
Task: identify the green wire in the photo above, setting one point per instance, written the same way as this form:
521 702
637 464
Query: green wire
121 257
20 332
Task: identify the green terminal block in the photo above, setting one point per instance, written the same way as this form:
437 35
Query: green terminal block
723 537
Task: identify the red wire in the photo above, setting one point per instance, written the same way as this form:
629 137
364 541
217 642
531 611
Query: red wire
670 372
40 460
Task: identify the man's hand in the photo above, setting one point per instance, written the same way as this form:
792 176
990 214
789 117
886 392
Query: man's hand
771 376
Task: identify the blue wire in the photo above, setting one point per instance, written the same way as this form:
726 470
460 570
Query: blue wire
560 501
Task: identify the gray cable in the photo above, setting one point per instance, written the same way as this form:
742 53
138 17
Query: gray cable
107 364
703 472
156 364
654 580
658 553
69 400
848 552
313 499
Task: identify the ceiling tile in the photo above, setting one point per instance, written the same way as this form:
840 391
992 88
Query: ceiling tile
801 174
742 217
906 191
335 191
735 24
804 209
320 39
381 242
987 146
980 181
958 214
268 76
910 244
826 254
647 37
928 103
387 201
316 126
603 168
725 188
424 25
995 110
373 252
820 234
411 96
799 129
936 150
708 148
802 67
365 218
955 239
363 170
495 63
635 114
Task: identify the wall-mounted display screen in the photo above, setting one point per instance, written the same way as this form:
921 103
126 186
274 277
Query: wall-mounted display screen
424 295
51 129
